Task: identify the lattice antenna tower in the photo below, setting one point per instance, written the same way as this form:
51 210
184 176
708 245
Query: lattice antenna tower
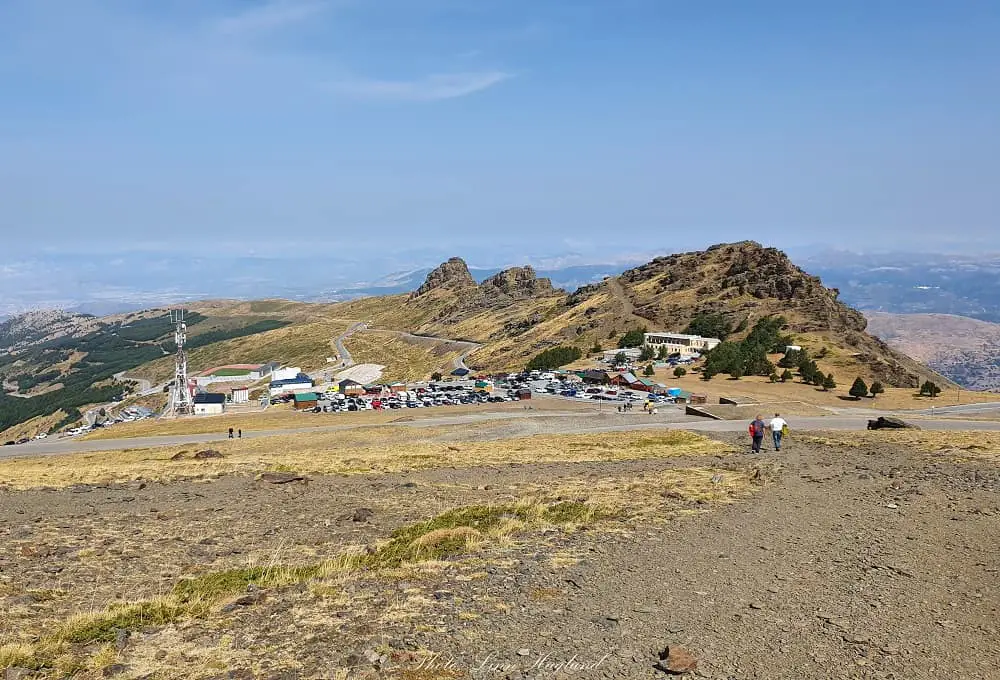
180 398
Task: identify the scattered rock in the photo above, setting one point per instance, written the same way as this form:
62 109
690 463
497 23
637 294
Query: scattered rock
121 639
160 655
177 456
240 674
281 477
524 651
362 515
717 479
114 669
17 673
676 660
247 600
207 453
890 423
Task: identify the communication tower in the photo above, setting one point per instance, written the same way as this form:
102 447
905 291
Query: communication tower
180 397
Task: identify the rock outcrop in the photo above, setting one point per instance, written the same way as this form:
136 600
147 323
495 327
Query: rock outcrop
511 285
453 274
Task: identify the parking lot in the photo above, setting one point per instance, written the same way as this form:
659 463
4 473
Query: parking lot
520 387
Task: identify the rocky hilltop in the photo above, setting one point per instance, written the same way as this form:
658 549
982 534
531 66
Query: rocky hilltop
516 314
451 275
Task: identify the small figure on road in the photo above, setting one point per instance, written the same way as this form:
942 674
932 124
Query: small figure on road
778 427
757 428
230 433
239 433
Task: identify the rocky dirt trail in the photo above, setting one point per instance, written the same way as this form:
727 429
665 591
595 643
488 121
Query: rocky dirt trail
850 566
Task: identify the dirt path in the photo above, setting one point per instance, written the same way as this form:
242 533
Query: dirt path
820 577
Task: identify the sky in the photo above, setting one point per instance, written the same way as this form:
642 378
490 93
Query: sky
404 130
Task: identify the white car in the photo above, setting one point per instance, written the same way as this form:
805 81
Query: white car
42 435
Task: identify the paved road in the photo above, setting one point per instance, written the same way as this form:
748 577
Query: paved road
612 422
346 360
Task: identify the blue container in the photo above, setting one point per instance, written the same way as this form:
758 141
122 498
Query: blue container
674 391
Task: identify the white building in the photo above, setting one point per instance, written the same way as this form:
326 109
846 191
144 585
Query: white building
679 343
209 404
240 395
280 374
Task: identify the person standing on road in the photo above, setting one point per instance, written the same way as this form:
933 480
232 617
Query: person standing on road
757 428
778 427
230 433
239 433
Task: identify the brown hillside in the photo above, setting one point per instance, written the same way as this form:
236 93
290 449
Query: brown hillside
515 314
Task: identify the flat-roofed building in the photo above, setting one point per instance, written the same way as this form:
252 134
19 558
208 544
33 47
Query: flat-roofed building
681 343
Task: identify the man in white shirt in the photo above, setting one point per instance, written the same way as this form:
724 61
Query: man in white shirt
777 426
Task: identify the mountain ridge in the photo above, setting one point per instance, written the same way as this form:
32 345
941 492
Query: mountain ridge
741 281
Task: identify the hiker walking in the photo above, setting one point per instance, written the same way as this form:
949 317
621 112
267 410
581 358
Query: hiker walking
230 433
757 428
779 426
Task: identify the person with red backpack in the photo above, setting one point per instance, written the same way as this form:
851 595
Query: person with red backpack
757 428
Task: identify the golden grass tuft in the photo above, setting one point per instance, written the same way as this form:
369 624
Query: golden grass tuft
369 450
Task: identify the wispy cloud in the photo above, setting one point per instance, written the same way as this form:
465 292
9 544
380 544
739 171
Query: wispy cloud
430 88
270 16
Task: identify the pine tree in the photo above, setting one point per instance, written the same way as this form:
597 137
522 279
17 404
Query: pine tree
663 353
646 353
829 383
786 375
929 389
877 389
680 372
648 371
859 389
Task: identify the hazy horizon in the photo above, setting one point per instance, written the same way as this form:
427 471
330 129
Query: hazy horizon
377 128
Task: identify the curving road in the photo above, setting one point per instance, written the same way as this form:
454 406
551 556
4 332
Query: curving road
346 360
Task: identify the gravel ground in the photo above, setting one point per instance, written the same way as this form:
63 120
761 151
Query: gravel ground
874 562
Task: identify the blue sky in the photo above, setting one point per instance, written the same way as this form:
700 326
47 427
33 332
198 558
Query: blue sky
496 129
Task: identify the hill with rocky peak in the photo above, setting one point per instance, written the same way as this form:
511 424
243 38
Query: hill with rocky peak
515 314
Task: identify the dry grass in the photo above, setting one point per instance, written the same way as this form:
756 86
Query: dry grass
374 450
405 360
306 345
448 535
954 445
30 428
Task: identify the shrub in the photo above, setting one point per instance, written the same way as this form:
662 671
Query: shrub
709 325
859 389
929 389
829 383
554 357
649 370
786 375
632 338
876 389
680 372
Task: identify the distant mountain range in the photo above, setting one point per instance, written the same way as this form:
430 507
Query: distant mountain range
104 284
902 283
963 349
